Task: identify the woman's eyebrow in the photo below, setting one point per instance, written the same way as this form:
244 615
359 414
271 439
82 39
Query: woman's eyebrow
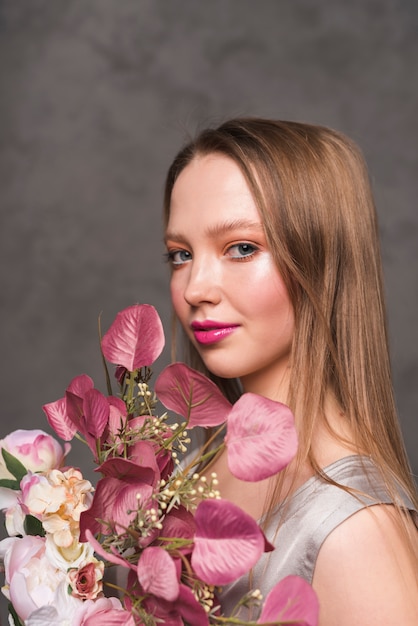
231 225
174 236
218 229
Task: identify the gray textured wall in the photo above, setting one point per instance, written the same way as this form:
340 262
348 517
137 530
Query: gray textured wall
98 95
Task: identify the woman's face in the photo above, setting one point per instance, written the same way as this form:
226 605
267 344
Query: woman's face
226 289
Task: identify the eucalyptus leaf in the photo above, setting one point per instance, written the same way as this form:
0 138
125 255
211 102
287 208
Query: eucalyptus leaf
14 466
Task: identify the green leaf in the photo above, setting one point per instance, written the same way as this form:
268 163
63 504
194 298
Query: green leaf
14 615
33 526
9 483
14 466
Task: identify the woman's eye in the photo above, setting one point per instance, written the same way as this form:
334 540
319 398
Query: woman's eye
178 257
242 250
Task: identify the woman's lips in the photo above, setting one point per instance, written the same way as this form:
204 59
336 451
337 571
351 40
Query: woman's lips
211 332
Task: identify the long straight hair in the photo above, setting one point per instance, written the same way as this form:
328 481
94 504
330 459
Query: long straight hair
312 190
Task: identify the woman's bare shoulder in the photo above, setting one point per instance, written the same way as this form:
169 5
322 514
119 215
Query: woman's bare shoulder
365 572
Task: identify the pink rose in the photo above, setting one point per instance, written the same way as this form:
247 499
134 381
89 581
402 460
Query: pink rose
39 497
60 612
102 611
31 581
35 449
86 582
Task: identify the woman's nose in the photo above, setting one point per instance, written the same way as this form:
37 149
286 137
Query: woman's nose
203 284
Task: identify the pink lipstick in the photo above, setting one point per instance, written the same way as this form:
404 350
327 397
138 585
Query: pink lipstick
209 332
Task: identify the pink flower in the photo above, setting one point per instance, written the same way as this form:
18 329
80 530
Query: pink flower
86 582
192 395
185 609
228 542
180 523
292 600
39 496
35 449
141 467
116 501
108 611
59 612
157 574
86 410
57 412
156 456
30 578
89 411
135 339
261 437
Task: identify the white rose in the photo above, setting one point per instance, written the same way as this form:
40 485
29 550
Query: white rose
64 558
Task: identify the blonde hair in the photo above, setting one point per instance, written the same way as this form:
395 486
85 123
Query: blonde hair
312 189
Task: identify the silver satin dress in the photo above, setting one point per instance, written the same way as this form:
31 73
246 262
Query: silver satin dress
311 514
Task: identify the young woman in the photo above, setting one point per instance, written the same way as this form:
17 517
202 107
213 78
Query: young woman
276 281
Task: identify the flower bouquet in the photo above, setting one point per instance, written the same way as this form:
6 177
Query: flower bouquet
160 525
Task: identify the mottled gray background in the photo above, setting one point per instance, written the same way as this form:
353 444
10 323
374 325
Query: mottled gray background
96 98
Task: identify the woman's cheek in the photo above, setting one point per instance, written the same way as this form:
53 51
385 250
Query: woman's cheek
177 297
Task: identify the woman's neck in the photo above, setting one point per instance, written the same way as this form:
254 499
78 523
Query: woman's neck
270 384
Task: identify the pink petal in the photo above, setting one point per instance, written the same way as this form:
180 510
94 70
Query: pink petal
191 394
131 471
129 499
118 404
58 419
22 600
80 385
179 523
190 609
291 600
96 412
135 339
157 574
142 453
108 611
114 502
117 419
74 404
64 415
21 551
228 542
107 491
110 617
261 438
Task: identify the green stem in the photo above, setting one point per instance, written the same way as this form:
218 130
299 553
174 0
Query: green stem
236 620
200 457
108 383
